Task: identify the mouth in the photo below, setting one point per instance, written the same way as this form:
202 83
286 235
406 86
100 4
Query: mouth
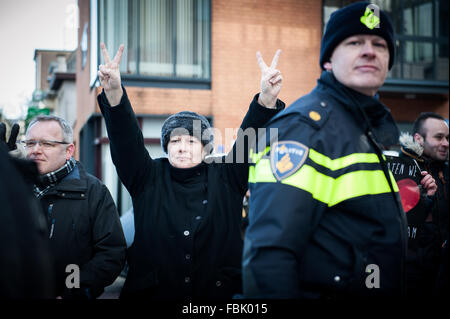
367 68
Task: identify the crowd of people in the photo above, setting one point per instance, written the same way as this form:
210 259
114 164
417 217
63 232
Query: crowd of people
328 212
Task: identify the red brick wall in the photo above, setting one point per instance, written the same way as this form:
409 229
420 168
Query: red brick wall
239 29
168 101
406 109
242 27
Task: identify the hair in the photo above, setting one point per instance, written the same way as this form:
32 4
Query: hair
418 123
187 122
65 127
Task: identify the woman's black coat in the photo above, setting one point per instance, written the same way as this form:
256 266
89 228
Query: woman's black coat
187 221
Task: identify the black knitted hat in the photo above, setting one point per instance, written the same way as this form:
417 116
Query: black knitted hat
186 122
347 22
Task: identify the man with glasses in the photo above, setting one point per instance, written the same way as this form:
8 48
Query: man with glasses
85 233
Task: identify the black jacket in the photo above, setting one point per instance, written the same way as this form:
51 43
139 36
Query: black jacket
26 270
85 230
187 221
427 235
416 204
322 210
440 172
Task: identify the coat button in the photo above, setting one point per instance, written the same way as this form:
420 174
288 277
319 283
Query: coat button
205 202
337 278
186 233
187 280
323 104
187 256
218 283
198 217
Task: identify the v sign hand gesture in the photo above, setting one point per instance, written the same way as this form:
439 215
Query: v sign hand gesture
109 75
271 81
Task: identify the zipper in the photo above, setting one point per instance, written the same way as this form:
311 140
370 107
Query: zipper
52 226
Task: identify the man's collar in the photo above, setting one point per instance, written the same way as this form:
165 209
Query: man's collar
52 178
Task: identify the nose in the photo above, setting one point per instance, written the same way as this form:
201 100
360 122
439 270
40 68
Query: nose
183 146
36 148
367 49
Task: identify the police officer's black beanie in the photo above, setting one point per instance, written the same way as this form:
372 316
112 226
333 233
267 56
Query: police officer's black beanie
184 121
346 22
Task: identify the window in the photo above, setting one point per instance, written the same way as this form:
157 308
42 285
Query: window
164 39
421 31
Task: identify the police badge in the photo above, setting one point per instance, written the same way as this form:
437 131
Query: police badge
286 157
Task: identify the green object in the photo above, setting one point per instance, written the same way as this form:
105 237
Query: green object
35 111
369 19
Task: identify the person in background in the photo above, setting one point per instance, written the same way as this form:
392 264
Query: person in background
417 189
428 148
83 223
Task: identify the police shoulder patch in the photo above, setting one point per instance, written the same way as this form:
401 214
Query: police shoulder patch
286 157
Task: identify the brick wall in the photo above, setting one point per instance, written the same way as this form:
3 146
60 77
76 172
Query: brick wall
242 27
406 109
239 29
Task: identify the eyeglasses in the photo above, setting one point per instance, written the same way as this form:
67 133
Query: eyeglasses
42 143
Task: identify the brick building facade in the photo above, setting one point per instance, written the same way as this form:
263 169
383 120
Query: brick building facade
238 28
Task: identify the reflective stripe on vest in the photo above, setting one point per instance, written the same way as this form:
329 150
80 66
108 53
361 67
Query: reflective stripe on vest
326 189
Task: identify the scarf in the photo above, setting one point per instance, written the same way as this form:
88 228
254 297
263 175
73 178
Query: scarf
49 180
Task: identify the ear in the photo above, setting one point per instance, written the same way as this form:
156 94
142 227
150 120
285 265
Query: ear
69 151
418 138
327 66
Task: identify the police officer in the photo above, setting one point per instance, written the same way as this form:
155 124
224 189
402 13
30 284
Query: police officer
325 217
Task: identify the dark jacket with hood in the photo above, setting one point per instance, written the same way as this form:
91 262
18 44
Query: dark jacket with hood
325 215
187 221
84 230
